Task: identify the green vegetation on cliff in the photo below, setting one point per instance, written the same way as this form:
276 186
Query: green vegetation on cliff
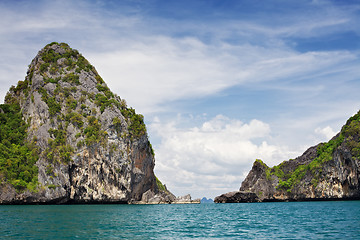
17 156
93 132
71 59
58 149
351 133
66 65
160 185
349 137
137 126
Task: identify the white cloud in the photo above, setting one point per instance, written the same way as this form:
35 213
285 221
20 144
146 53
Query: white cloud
149 68
213 158
326 132
151 72
162 70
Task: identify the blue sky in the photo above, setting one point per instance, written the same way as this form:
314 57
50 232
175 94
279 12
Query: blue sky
220 83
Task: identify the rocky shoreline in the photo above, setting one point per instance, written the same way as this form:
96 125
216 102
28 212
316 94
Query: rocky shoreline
150 198
251 197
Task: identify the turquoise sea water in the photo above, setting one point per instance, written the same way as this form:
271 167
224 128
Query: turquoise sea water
286 220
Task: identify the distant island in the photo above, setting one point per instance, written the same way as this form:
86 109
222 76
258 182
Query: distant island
327 171
205 200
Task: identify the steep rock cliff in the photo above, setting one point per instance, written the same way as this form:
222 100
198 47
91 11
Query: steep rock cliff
327 171
87 144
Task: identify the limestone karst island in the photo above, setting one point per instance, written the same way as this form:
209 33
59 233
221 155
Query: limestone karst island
66 138
327 171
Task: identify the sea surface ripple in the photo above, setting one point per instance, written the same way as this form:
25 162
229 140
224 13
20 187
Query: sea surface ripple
281 220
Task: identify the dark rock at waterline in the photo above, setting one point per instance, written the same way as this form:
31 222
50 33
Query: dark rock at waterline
237 197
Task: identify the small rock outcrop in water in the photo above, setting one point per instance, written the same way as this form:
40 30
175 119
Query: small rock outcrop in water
165 198
327 171
186 199
236 197
66 138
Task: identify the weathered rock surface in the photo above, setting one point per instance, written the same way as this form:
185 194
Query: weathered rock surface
237 197
327 171
165 197
92 147
186 199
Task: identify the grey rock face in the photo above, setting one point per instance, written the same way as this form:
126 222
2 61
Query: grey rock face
254 181
93 148
160 198
186 199
165 197
324 172
337 179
